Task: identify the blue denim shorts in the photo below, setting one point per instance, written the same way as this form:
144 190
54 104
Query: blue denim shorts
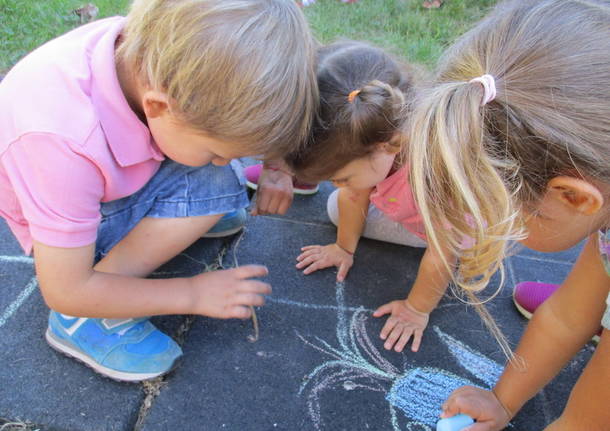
174 191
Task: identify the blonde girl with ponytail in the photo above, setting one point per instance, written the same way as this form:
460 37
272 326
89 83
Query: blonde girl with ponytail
356 143
512 142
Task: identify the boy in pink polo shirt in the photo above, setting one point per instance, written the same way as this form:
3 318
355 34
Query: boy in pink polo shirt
116 141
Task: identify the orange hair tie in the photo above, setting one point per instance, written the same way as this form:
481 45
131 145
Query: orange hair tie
352 95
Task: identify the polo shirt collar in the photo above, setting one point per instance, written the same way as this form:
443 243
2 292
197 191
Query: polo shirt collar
128 138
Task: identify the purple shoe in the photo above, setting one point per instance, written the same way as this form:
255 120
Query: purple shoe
253 173
528 296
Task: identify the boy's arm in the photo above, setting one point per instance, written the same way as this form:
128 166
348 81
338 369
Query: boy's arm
71 286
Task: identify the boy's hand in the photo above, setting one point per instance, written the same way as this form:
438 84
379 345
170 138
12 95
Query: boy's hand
274 194
316 257
479 404
229 293
404 322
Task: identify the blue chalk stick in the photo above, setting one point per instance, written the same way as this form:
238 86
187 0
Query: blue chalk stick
455 423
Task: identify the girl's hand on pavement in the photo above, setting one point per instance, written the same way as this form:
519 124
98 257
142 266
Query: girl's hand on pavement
404 322
314 257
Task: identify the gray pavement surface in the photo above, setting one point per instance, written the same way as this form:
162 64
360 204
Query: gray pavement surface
318 365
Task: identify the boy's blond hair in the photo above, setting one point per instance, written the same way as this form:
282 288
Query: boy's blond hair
551 116
238 70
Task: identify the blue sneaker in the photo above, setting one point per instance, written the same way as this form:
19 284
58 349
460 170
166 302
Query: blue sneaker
122 349
229 224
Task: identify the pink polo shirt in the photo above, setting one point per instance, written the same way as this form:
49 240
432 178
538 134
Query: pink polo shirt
68 139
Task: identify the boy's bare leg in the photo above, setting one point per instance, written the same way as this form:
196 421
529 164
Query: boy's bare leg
153 242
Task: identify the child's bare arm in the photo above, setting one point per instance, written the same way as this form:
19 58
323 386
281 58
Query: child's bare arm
409 317
432 280
558 329
71 286
353 208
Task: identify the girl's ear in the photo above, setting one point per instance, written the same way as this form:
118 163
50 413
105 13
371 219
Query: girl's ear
580 195
155 104
391 147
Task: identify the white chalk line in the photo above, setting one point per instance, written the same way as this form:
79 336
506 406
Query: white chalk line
14 306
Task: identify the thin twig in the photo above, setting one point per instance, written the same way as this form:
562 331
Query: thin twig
253 338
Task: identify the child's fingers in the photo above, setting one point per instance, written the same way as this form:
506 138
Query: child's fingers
393 337
251 299
254 286
284 205
262 201
309 247
250 271
308 261
274 204
452 406
343 270
387 328
314 267
382 311
417 334
405 336
307 253
239 312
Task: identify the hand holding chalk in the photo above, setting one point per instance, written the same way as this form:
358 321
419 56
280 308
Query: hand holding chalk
455 423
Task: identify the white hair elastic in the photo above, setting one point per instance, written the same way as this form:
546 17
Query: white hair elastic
489 85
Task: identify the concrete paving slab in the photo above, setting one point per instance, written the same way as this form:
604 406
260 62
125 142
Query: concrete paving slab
319 363
43 387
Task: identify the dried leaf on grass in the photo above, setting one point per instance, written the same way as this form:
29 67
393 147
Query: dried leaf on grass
86 13
433 4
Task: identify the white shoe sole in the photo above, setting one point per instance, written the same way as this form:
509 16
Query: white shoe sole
295 191
522 310
223 233
63 347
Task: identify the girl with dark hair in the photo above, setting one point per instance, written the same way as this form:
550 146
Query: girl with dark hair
356 143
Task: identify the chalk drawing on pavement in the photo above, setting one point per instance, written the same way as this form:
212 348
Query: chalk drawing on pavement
30 287
414 394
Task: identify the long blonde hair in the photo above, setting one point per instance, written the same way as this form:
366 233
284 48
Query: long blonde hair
473 167
239 70
551 116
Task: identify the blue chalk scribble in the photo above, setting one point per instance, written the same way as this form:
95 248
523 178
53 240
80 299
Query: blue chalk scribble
414 394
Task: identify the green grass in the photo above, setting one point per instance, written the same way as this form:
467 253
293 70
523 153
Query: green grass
26 24
403 27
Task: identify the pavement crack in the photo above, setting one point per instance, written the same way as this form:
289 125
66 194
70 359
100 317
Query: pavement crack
152 388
